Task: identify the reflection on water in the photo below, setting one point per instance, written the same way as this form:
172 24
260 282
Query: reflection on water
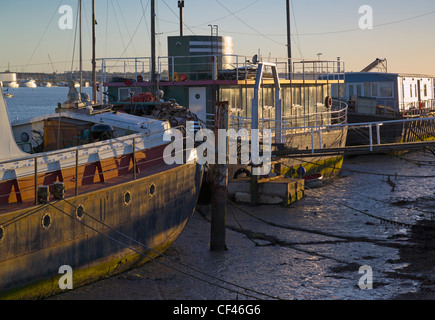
312 250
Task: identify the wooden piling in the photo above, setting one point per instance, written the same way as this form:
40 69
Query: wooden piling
220 184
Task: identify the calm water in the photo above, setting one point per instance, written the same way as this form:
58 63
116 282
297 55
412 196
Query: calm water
313 250
31 102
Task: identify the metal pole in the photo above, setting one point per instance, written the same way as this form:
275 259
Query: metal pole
94 56
289 44
220 184
81 51
153 43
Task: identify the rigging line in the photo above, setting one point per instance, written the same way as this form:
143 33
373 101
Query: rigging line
75 37
246 24
119 28
379 242
144 255
42 37
126 28
21 216
229 15
107 28
356 29
298 43
285 243
144 15
169 258
178 17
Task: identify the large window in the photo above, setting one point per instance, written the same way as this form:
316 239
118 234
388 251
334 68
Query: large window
386 89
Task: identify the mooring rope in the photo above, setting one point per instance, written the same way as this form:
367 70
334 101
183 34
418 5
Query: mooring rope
161 254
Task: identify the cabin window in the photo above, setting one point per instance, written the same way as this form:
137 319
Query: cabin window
374 90
351 91
425 90
410 90
367 90
387 89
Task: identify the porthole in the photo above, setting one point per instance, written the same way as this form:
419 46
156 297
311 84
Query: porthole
197 96
2 233
24 136
127 198
46 221
152 190
80 212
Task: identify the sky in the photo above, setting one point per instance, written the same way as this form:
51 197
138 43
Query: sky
403 31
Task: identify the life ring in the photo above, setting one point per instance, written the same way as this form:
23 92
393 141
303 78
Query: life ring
242 171
328 102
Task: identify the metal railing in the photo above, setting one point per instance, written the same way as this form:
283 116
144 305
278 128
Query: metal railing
34 166
217 67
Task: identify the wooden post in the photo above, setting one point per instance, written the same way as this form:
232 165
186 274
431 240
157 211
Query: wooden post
77 173
36 181
220 184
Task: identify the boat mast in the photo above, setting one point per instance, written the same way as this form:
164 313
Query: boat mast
81 51
153 44
94 58
289 43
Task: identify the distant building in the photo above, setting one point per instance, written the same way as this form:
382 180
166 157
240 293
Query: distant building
396 91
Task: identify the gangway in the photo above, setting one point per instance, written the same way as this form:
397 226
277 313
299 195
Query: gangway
374 142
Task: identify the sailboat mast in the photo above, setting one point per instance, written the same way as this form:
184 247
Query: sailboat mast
289 43
94 58
81 49
153 42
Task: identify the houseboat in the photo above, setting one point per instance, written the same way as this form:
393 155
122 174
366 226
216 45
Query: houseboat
200 71
383 97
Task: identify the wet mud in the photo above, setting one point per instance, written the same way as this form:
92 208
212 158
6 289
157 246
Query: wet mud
312 250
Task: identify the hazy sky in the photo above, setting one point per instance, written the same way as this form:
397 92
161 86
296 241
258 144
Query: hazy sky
403 30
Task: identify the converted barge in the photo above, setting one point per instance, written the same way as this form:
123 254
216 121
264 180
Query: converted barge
92 192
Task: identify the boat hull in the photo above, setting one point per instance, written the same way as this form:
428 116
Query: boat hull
151 216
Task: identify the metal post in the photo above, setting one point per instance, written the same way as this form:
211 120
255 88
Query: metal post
371 137
312 140
220 184
94 61
320 138
378 132
153 44
81 50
